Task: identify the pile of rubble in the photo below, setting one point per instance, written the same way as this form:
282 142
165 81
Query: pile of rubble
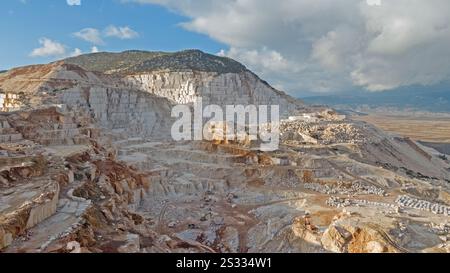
442 228
339 202
355 188
324 132
342 133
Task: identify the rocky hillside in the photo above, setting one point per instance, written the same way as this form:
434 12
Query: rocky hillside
129 62
179 77
87 164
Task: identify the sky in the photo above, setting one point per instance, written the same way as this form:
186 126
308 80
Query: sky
40 31
300 46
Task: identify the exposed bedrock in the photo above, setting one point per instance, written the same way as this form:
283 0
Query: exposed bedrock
223 89
124 112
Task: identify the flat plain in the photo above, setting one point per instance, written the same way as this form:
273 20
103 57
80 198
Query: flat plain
423 128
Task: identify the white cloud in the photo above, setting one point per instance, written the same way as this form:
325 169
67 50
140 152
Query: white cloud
74 2
121 32
94 49
326 45
48 48
91 35
95 37
76 52
374 2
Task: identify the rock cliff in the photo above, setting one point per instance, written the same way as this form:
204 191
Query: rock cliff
133 91
181 76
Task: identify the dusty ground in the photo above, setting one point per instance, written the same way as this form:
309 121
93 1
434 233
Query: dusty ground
350 189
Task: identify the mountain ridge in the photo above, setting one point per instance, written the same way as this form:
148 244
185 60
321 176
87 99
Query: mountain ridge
138 61
179 76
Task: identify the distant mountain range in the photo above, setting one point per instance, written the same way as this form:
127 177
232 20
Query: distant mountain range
420 98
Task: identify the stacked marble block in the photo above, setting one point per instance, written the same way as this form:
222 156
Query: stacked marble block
59 136
9 102
7 133
64 132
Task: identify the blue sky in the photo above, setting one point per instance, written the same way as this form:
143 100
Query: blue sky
24 23
299 46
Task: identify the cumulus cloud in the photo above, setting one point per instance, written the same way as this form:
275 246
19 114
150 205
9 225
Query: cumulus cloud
54 49
95 36
328 45
374 2
74 2
121 32
49 48
76 52
91 35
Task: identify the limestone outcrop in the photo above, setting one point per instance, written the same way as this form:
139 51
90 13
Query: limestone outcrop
222 89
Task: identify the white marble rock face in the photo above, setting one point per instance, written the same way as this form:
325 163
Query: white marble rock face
221 89
140 104
129 112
